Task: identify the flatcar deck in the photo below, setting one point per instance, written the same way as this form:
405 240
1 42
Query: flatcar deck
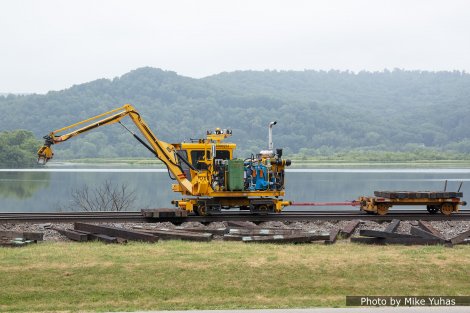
445 202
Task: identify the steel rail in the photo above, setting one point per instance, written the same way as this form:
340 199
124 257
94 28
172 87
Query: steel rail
43 217
287 216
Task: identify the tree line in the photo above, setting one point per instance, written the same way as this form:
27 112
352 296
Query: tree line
18 148
319 113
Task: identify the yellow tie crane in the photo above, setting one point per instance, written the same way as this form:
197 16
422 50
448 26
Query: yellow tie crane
207 175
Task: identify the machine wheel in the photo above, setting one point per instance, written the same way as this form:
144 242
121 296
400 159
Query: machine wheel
263 208
382 209
447 209
201 210
432 209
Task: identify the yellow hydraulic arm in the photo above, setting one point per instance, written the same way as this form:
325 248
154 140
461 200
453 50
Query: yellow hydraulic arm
162 150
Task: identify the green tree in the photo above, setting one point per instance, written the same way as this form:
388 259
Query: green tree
18 149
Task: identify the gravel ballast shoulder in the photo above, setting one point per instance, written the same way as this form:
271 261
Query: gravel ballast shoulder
448 229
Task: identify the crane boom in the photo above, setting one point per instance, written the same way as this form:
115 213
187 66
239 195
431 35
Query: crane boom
164 151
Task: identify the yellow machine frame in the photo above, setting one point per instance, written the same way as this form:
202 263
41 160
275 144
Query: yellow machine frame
197 186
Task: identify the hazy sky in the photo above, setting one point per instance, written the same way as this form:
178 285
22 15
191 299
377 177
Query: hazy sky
50 45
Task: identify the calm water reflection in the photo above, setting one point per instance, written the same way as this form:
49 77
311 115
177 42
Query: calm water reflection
48 190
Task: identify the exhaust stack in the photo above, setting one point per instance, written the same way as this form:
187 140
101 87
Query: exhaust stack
270 135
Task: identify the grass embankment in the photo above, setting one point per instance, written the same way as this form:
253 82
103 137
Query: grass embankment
218 275
125 161
310 162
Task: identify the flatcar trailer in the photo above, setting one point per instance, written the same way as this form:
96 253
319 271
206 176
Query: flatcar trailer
444 201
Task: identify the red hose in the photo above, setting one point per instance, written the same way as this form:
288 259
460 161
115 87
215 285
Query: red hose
346 203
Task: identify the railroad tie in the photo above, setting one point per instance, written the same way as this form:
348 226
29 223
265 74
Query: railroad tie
349 228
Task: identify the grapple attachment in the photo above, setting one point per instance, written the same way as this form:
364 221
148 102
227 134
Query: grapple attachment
44 154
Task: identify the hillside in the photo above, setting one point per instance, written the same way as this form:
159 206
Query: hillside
319 113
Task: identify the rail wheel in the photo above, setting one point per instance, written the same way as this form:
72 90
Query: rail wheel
263 209
432 209
382 209
201 209
447 209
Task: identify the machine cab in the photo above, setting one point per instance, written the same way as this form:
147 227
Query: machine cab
204 153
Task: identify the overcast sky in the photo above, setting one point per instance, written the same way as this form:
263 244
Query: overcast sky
51 45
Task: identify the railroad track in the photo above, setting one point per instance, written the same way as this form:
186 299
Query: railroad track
290 216
44 217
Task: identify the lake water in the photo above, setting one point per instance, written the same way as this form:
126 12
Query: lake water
49 189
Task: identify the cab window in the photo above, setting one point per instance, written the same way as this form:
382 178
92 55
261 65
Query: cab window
184 166
198 155
223 154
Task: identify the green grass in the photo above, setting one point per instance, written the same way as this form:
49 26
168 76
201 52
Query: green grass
309 162
125 161
320 163
219 275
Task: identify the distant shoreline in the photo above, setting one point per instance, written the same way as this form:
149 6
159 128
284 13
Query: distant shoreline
296 164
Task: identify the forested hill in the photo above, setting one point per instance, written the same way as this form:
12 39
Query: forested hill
318 112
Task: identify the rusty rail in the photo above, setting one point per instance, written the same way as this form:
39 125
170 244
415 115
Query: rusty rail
70 217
